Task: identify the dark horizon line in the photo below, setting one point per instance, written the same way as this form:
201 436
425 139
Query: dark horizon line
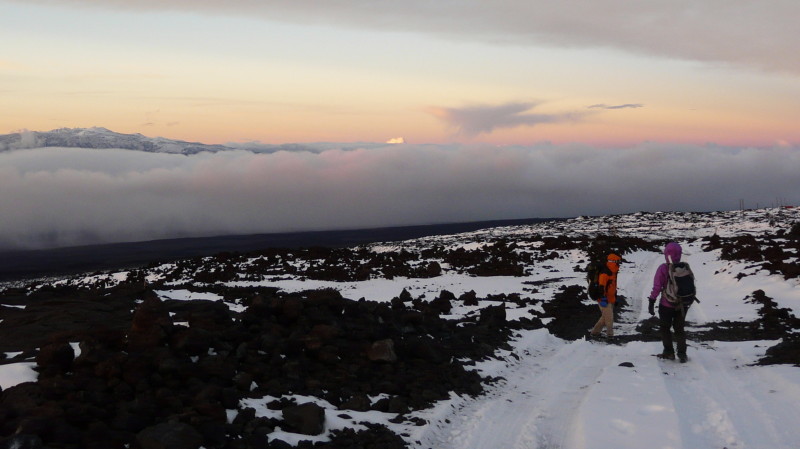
21 265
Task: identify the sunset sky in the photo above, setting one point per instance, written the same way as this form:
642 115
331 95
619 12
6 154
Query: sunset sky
609 73
502 108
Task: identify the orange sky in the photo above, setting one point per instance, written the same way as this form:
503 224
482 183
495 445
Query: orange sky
282 76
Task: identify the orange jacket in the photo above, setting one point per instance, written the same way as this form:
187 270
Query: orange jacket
609 281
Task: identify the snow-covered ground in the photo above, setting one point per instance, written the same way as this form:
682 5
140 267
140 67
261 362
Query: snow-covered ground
579 394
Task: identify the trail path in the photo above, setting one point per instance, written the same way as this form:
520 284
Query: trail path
575 395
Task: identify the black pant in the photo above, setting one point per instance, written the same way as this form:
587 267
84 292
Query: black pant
670 317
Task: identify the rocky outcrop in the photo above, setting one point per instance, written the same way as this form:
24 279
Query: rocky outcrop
159 382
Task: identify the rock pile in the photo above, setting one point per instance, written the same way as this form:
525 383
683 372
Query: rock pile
158 382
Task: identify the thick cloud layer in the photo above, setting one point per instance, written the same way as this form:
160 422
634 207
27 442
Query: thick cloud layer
741 32
58 197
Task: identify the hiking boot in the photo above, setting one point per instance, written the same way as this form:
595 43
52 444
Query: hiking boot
682 358
666 356
590 336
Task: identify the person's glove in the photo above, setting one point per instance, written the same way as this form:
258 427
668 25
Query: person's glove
652 307
603 302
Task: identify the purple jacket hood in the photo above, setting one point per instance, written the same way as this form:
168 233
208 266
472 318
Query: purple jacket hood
673 251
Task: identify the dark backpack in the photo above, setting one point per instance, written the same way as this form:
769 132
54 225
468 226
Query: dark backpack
680 287
593 271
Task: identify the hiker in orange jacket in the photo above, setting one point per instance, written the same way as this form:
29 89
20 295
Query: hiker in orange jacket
609 283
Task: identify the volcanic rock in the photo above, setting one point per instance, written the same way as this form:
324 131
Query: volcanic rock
307 418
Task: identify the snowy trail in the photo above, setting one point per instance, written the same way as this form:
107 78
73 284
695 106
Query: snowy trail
714 401
721 403
532 408
538 403
576 395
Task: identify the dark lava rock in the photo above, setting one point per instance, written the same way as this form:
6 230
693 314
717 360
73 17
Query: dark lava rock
469 298
493 315
307 419
785 352
55 358
794 231
176 381
169 435
571 318
151 324
375 437
774 322
382 351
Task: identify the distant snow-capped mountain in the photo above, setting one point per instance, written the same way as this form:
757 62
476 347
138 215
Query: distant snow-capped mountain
102 138
98 137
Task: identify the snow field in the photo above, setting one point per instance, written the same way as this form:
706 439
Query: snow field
577 396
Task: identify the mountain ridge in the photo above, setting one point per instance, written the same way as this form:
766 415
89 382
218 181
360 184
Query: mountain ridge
99 137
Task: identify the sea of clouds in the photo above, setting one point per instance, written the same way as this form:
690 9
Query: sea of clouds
53 197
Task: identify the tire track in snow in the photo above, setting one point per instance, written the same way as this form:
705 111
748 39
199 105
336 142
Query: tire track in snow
716 408
532 408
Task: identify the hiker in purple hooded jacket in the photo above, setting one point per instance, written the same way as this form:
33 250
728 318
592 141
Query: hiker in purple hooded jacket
669 316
